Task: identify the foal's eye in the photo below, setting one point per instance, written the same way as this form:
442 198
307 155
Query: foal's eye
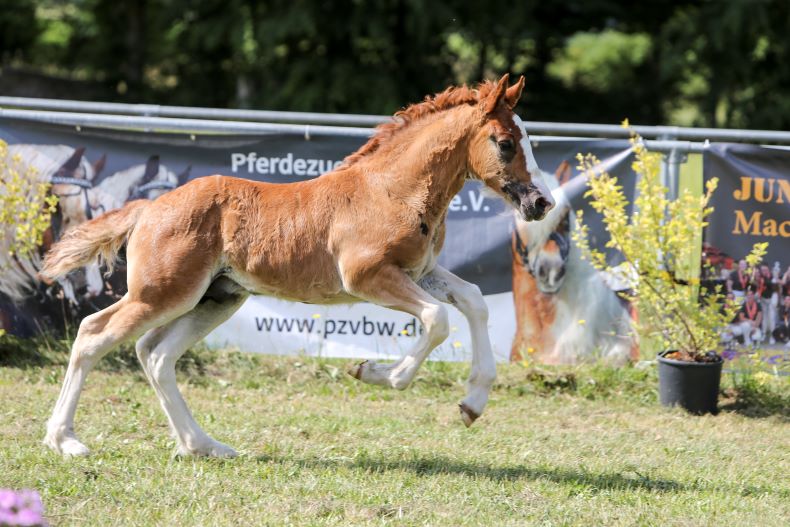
507 149
506 144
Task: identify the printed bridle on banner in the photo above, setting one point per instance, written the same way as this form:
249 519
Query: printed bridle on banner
84 185
520 248
139 192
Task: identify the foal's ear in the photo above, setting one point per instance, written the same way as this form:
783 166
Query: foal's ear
513 94
493 99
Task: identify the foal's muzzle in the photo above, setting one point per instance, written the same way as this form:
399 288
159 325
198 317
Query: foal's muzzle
535 205
531 203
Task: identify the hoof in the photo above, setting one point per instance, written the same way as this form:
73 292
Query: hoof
215 449
399 384
468 415
67 447
356 370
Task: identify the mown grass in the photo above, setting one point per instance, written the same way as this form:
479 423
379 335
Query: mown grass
574 446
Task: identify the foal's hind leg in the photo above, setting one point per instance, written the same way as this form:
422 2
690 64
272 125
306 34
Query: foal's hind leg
158 351
98 334
447 287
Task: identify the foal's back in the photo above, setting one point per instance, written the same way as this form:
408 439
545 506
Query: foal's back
250 231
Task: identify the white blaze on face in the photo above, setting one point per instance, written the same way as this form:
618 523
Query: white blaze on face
526 146
532 163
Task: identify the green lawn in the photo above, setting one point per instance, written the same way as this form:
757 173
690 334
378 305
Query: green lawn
583 446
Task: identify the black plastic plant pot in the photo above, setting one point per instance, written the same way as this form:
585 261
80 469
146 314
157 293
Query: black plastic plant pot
690 385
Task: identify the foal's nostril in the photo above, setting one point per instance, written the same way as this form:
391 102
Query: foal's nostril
542 205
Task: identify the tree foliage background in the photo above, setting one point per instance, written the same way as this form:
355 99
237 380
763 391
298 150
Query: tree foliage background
706 63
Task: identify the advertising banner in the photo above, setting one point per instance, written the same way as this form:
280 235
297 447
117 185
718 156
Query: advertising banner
94 171
752 204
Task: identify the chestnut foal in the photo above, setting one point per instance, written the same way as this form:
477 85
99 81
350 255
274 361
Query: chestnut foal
369 231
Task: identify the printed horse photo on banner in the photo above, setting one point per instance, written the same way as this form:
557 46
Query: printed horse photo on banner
369 231
85 190
566 311
72 177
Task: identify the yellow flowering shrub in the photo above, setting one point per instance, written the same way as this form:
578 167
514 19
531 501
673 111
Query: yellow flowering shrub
26 209
658 244
26 206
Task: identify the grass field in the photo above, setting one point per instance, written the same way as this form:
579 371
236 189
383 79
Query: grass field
581 446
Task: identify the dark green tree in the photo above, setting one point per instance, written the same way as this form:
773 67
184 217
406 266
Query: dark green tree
682 62
18 29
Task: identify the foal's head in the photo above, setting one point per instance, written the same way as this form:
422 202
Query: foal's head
501 156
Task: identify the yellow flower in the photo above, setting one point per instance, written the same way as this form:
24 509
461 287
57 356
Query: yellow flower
530 350
582 322
762 377
457 344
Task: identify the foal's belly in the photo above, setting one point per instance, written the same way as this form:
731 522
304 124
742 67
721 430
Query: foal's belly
294 284
311 274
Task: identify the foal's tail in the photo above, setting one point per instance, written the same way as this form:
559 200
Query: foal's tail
101 237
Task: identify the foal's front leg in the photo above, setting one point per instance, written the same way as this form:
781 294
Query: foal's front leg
391 287
447 287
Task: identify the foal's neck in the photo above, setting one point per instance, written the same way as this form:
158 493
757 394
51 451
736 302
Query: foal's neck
429 161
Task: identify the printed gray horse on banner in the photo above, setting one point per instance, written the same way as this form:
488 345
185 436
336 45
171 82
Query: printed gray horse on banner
71 176
84 192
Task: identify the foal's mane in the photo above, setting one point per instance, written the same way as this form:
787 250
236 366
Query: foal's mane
449 98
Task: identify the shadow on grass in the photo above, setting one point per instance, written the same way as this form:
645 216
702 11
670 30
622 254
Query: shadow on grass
44 351
35 352
756 394
440 465
756 402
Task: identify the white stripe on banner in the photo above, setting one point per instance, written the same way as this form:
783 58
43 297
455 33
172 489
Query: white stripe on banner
363 331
